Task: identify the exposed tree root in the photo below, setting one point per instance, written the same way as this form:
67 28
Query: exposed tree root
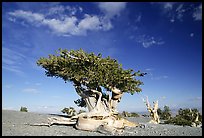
95 123
102 114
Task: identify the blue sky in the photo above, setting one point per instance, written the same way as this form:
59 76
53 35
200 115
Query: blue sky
163 39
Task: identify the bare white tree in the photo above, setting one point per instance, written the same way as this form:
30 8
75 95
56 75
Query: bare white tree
152 110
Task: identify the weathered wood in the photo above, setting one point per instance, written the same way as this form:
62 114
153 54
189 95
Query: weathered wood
94 123
102 113
153 111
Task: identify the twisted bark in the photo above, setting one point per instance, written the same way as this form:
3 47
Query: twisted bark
153 111
102 113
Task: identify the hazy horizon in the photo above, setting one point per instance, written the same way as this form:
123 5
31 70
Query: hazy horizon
173 111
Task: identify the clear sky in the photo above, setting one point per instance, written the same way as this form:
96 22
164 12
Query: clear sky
162 39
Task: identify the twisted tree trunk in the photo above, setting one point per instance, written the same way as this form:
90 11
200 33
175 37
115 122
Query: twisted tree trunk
153 111
102 113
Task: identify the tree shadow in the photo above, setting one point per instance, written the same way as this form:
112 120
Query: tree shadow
66 116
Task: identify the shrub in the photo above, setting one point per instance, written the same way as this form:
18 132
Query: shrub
23 109
159 111
69 111
178 120
186 117
124 114
131 114
165 114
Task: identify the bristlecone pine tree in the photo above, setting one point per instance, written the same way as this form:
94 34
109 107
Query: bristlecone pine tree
100 83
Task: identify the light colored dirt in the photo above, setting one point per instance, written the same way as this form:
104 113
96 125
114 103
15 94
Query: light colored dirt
14 124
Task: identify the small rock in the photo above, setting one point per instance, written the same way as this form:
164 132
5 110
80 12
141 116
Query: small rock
155 132
165 132
193 124
143 126
199 126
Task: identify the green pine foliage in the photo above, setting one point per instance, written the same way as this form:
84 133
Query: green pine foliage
133 114
90 70
69 111
185 117
23 109
129 114
80 102
164 114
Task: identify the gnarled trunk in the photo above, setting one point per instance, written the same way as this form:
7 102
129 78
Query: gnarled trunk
153 111
101 113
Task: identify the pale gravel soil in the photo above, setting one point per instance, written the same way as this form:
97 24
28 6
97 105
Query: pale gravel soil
14 124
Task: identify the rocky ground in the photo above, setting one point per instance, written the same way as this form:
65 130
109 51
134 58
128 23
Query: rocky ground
15 123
